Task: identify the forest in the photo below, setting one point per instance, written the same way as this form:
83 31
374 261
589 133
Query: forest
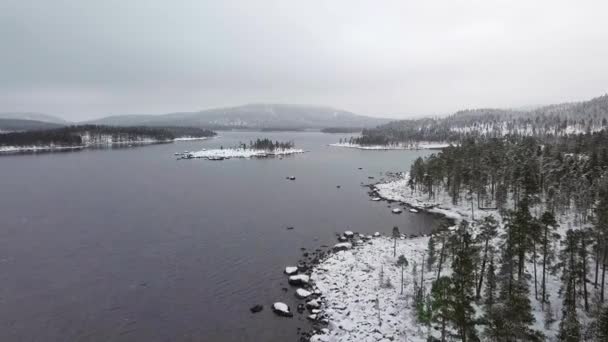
547 245
554 120
267 145
94 134
341 130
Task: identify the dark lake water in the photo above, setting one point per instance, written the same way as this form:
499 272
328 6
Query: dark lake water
133 245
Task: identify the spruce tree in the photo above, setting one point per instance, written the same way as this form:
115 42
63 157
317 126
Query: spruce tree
488 232
569 326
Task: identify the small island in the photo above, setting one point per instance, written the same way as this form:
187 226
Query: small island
260 148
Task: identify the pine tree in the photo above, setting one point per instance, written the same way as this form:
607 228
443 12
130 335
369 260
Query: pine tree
432 254
488 232
464 283
396 235
548 236
601 329
569 326
441 304
402 263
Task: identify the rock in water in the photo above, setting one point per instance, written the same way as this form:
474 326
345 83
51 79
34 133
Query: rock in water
300 279
412 210
343 246
301 293
281 309
397 211
256 308
291 270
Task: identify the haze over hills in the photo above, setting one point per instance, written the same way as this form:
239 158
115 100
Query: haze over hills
32 116
254 116
12 125
550 120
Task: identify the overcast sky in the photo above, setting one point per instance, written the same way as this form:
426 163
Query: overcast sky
88 58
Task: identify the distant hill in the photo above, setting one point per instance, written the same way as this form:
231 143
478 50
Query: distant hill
253 116
32 117
17 125
551 120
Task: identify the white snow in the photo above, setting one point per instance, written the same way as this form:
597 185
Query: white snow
89 140
281 308
342 246
348 233
299 279
302 293
242 153
190 138
33 148
349 281
291 270
413 146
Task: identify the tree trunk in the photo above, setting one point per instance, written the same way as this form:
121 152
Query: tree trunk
544 284
603 274
597 264
441 256
483 267
584 272
395 247
401 279
534 261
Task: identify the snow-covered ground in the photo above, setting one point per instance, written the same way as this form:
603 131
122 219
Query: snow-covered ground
88 141
415 146
190 138
16 149
358 306
350 280
227 153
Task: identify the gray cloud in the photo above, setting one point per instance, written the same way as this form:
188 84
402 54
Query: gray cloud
86 58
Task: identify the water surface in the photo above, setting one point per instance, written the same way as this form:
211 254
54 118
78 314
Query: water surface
131 244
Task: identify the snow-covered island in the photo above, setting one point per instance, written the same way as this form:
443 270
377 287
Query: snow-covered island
397 146
261 148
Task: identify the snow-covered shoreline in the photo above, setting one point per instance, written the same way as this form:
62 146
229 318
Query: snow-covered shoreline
17 149
361 292
228 153
92 144
416 146
351 286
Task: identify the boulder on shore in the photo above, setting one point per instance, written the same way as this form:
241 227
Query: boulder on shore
313 304
281 309
342 246
300 279
301 293
349 234
291 270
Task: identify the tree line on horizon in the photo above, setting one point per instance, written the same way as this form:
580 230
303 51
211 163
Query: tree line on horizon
554 120
81 134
